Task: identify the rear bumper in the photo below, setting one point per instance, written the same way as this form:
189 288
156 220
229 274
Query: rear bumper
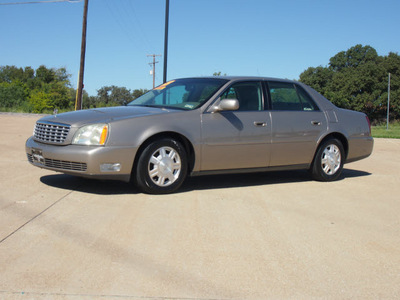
80 160
359 148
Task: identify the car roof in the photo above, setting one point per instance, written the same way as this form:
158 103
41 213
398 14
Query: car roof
324 103
255 78
237 78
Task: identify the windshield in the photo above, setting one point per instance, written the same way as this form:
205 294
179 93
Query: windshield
184 94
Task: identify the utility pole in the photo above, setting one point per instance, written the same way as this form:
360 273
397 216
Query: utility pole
166 40
388 105
78 102
154 67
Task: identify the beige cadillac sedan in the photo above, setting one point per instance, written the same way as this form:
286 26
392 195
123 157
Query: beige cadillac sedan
196 126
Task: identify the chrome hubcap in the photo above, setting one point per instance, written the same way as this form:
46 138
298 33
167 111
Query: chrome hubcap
164 166
331 159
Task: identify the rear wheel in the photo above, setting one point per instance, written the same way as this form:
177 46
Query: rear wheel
328 161
162 167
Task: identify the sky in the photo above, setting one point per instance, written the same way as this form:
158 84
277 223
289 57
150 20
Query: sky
271 38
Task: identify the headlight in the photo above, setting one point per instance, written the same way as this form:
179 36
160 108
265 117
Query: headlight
95 134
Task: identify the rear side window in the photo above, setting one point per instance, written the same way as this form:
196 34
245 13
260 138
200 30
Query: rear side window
288 96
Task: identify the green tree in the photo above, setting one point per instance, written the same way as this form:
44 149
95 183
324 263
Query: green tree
45 75
53 85
218 74
353 57
12 94
357 79
318 78
114 96
20 88
40 101
11 73
45 89
138 92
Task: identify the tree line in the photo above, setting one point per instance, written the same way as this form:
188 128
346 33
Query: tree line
358 79
45 89
354 79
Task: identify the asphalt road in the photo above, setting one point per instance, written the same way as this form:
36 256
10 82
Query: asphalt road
259 236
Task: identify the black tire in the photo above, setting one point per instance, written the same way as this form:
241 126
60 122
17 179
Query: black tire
328 161
161 167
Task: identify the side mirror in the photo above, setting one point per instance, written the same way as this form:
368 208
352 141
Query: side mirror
226 104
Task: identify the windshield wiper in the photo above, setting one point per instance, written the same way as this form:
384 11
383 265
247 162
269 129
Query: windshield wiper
145 105
159 106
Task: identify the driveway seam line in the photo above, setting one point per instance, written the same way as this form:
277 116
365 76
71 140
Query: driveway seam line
107 296
33 218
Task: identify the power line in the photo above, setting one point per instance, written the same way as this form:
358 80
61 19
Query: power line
41 2
116 14
139 26
123 12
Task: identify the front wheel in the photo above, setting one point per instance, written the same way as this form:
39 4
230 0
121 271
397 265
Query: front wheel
328 161
161 167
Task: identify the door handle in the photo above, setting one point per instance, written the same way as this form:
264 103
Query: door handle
260 124
316 123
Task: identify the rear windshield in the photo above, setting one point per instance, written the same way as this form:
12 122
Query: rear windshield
186 94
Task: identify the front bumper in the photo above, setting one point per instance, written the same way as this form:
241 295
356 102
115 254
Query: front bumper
79 160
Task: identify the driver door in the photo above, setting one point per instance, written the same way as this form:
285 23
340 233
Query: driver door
237 139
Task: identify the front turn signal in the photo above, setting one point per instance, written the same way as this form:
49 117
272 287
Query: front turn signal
103 135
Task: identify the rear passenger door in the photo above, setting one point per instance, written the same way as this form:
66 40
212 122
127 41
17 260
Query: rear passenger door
297 124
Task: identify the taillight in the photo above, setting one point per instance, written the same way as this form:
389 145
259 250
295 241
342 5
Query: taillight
369 124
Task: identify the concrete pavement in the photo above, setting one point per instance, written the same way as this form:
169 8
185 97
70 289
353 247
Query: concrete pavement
258 236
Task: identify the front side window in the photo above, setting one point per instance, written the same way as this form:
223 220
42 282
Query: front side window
249 95
285 96
184 94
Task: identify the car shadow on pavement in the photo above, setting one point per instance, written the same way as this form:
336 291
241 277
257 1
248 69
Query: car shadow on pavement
208 182
86 185
256 179
350 173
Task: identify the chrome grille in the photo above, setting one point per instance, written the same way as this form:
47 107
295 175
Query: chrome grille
65 165
61 164
51 132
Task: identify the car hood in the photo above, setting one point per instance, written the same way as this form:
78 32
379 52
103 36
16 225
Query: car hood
103 115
